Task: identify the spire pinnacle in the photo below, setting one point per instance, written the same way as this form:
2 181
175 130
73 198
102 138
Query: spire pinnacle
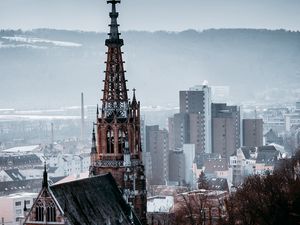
114 32
133 98
45 176
94 148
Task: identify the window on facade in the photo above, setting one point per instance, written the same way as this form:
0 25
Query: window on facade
39 211
17 203
51 212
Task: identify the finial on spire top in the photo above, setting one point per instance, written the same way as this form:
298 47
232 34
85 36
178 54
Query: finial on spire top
114 32
45 176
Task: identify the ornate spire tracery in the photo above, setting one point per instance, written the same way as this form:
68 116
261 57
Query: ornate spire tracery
118 146
115 99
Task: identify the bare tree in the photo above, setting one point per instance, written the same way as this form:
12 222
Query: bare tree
268 200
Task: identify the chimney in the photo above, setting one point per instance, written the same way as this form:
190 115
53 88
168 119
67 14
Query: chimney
82 117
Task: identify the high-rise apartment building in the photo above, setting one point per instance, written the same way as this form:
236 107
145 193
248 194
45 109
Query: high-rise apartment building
181 128
225 129
176 166
252 132
158 146
192 125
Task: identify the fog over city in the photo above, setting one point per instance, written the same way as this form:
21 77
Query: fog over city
150 112
255 64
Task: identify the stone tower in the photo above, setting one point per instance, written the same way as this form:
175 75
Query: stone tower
118 143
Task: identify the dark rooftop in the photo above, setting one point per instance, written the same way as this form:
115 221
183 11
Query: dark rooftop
247 150
13 161
14 174
213 165
267 154
33 185
218 184
92 201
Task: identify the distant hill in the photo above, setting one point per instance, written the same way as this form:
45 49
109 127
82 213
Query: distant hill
49 68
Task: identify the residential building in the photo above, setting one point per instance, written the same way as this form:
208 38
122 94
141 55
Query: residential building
196 103
189 157
272 137
252 132
248 161
213 165
274 119
225 129
290 120
181 134
176 166
267 156
158 145
12 207
242 164
21 160
11 175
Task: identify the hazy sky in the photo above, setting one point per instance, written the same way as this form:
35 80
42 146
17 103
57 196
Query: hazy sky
152 15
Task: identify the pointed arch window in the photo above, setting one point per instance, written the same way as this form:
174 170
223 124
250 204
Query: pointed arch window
51 212
110 140
121 140
39 211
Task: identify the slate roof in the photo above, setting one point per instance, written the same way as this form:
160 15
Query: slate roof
218 184
272 137
10 187
49 170
267 154
212 165
15 174
33 185
92 201
201 158
246 151
12 161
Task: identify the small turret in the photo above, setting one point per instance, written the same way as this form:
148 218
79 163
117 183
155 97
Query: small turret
94 147
134 102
